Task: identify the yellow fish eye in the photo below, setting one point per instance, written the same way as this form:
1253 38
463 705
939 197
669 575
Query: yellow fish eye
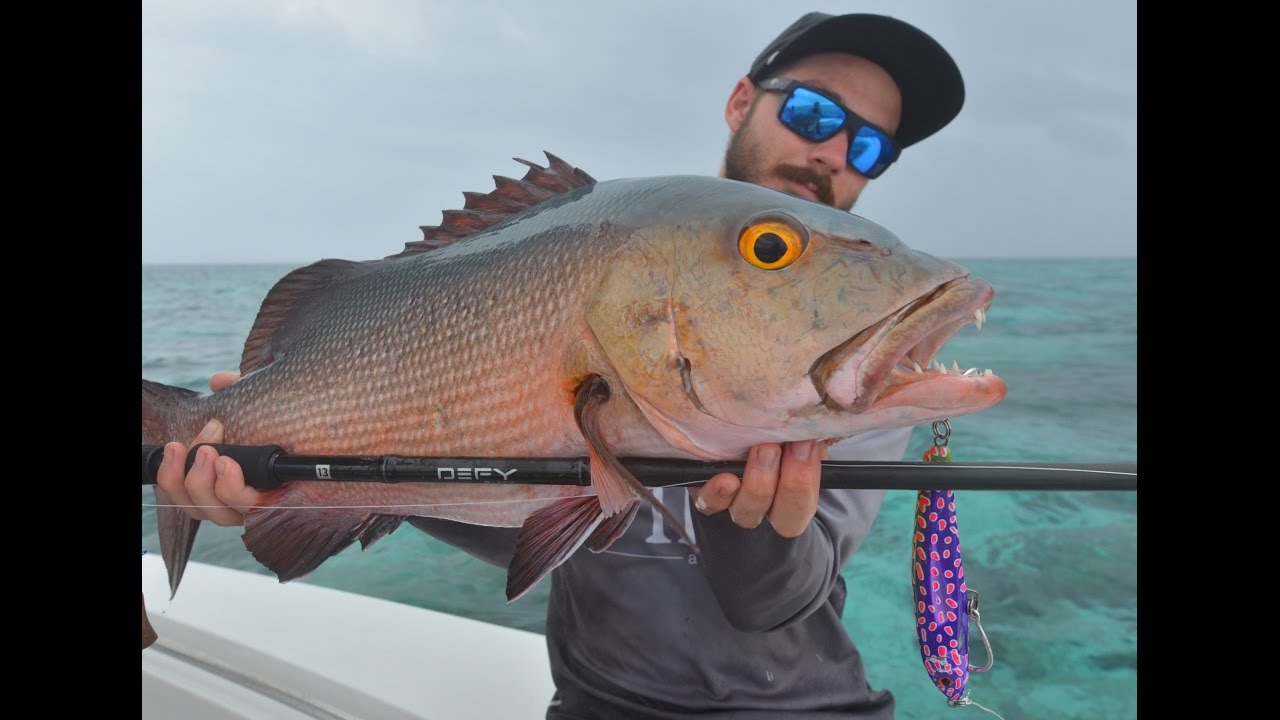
770 245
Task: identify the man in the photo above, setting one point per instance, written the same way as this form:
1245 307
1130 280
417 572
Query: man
752 628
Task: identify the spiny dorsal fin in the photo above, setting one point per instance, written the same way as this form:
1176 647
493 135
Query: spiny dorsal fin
291 292
508 198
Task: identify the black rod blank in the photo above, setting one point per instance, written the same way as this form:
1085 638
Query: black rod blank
268 466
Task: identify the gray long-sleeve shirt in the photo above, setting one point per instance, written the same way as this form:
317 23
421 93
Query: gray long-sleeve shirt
751 629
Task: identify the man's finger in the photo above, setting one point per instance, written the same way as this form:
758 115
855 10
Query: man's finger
200 479
222 380
716 494
200 484
231 489
796 501
759 483
171 476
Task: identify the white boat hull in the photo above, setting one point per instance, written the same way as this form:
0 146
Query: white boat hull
235 644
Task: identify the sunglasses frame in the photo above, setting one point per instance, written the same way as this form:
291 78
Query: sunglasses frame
853 122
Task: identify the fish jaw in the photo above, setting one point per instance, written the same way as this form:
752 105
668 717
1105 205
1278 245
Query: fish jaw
890 364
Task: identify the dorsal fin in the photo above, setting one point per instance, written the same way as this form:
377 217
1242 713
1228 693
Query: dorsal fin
509 198
289 293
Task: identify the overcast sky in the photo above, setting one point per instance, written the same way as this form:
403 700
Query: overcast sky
291 130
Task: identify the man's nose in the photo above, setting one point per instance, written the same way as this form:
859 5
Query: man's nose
832 152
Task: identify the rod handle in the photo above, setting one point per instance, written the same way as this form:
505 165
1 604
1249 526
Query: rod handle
255 460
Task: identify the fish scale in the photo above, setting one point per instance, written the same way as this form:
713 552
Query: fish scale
448 358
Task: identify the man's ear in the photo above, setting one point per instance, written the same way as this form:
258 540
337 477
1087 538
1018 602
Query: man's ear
735 111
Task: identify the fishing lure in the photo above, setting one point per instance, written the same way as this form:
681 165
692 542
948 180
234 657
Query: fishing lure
942 599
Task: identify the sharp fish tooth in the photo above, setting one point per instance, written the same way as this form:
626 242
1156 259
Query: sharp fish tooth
955 366
978 318
970 371
913 362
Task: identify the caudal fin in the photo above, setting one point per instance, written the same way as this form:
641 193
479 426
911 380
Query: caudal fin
160 406
148 633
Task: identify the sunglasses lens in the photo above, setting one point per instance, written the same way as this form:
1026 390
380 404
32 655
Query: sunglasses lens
811 115
871 151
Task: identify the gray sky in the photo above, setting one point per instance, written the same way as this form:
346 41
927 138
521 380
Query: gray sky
291 130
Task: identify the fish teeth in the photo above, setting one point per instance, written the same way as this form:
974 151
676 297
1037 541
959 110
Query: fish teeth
955 367
970 371
913 362
979 317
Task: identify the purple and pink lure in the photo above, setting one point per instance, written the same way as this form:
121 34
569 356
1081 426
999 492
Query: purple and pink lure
940 595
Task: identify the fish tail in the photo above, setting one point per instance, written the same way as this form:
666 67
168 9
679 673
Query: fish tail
551 535
160 410
148 633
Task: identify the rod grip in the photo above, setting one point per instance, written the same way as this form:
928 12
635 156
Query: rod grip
255 460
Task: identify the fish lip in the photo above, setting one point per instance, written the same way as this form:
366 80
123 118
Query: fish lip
851 376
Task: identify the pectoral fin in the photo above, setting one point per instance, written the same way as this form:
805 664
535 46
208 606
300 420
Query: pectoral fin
615 486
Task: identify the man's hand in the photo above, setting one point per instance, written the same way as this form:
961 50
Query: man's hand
781 483
214 489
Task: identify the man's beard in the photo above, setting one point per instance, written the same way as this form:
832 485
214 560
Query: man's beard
742 162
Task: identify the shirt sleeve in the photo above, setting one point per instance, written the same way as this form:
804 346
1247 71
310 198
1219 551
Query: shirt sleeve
764 581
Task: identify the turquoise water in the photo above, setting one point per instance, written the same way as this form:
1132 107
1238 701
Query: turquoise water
1057 572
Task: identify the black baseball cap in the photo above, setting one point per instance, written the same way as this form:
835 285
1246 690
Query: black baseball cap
930 83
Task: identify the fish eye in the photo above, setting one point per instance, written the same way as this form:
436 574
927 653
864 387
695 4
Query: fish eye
770 244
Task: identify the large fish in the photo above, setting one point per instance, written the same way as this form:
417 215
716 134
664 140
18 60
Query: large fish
681 317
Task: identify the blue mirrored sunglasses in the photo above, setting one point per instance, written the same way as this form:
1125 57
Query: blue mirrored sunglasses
816 117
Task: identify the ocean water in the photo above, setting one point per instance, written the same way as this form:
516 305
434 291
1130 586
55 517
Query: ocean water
1057 571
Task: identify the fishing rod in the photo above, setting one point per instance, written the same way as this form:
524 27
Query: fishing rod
268 466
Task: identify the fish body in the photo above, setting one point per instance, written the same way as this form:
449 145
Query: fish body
681 317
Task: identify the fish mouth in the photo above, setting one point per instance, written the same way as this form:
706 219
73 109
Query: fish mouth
891 363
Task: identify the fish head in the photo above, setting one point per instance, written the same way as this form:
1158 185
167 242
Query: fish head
744 315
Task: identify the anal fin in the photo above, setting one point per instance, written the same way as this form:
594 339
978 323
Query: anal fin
293 541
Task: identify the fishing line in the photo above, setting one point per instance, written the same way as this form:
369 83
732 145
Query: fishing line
971 466
993 712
